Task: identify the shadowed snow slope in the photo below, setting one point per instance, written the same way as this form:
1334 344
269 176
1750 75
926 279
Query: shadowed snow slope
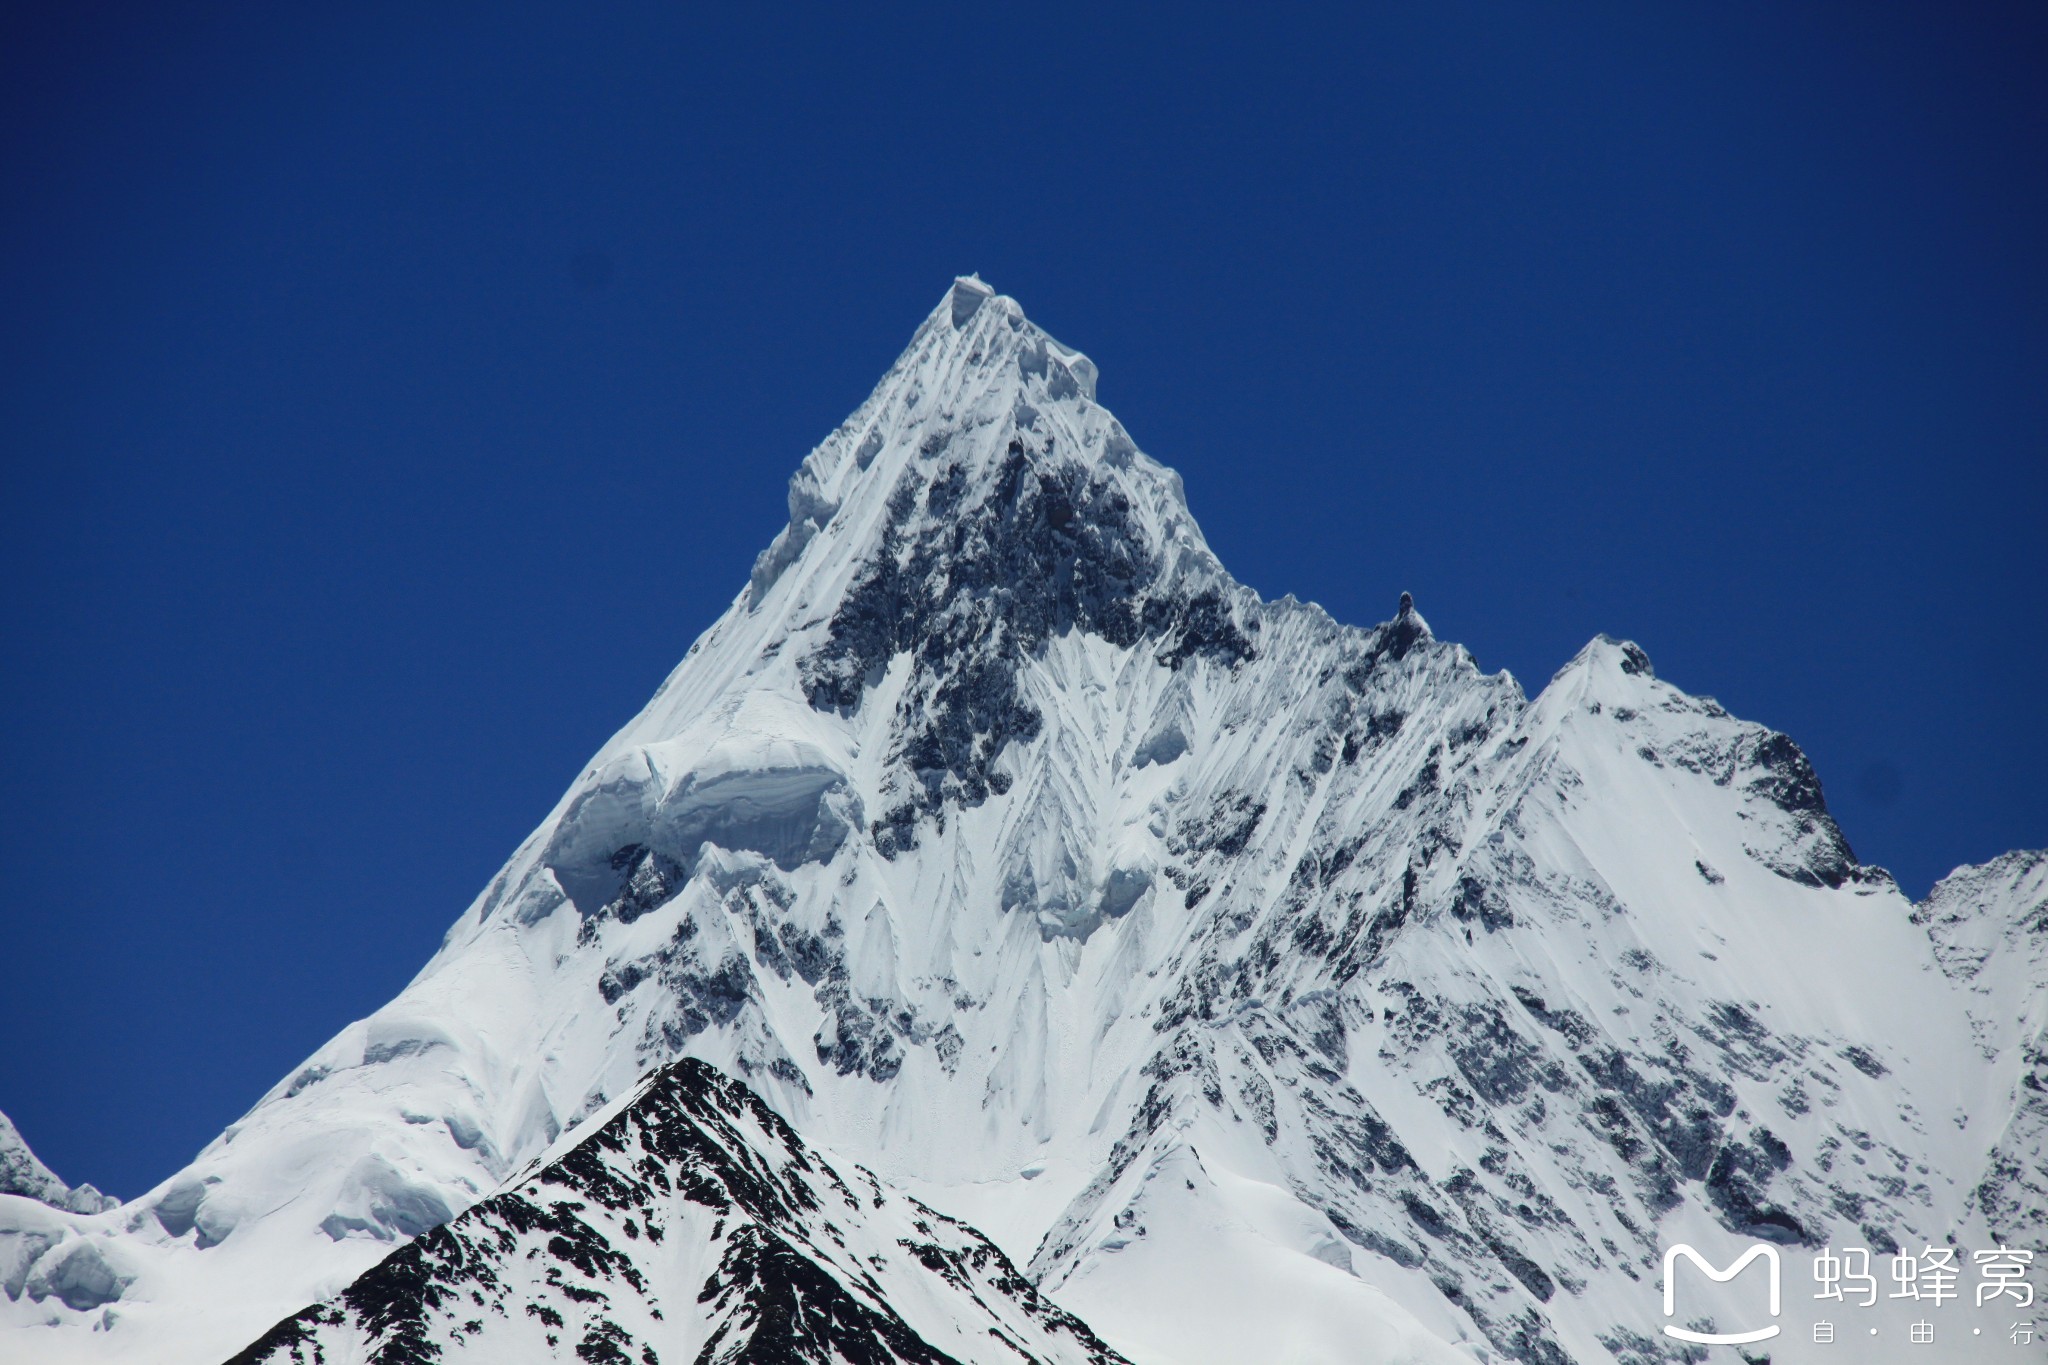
1263 983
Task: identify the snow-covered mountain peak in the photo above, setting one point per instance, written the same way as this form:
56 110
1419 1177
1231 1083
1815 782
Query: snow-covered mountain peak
1609 666
981 401
998 839
1623 656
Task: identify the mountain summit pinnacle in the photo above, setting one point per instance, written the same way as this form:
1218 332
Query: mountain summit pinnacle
969 293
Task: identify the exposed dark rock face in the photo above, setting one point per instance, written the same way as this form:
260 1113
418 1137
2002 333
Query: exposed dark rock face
977 570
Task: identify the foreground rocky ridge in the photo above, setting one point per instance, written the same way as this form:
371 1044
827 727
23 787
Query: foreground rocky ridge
691 1225
1269 985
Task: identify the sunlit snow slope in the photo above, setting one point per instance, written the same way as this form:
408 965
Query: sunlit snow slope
1275 989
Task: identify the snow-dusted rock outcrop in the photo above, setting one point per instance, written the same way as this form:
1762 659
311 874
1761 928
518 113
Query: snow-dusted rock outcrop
1273 988
22 1173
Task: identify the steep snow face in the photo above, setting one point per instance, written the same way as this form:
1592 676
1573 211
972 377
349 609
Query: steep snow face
692 1224
1266 983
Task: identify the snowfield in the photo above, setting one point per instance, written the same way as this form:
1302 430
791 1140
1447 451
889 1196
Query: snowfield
1265 988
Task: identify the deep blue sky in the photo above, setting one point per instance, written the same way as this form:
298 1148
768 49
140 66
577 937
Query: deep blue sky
389 398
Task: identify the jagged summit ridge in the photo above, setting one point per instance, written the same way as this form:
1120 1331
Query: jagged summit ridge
1001 841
